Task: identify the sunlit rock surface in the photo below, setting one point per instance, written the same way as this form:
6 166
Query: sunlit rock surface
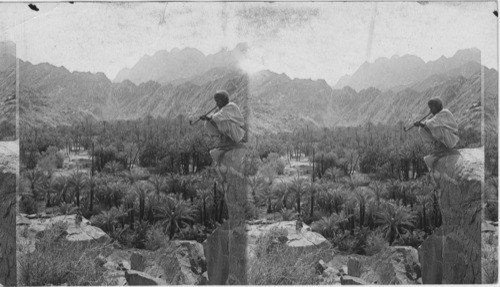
452 255
226 249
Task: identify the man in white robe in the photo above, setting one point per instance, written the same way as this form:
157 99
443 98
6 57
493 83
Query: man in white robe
227 123
441 129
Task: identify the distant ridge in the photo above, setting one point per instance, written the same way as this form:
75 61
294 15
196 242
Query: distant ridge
386 73
179 65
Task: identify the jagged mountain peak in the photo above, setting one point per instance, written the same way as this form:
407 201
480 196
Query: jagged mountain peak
386 73
177 65
472 52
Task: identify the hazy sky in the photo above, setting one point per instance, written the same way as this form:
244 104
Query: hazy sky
303 40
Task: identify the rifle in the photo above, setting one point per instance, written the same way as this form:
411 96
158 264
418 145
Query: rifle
209 112
409 128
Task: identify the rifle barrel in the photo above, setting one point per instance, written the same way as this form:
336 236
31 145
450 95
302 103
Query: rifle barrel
409 128
192 123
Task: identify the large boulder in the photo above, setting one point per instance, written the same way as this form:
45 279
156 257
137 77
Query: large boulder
392 265
225 250
81 232
350 280
228 247
137 278
179 263
452 255
304 239
31 226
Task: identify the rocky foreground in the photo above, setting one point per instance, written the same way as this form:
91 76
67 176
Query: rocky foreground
9 160
184 262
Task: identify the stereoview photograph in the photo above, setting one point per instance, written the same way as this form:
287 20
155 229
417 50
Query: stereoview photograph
214 143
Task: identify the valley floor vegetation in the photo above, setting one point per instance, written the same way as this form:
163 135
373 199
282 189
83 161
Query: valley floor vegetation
148 181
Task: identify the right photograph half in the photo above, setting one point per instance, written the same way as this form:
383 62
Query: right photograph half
382 121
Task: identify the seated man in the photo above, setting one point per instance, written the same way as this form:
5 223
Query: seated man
441 129
227 123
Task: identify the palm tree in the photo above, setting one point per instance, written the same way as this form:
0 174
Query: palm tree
288 214
257 185
92 182
159 183
142 190
118 191
312 189
349 206
113 167
298 187
37 181
329 226
362 198
331 199
110 218
129 202
77 182
174 214
58 186
281 193
204 195
378 188
424 201
395 220
372 209
266 196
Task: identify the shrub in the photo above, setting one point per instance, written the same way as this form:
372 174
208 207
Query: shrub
195 232
67 208
155 238
103 155
58 157
353 243
269 241
308 219
288 214
139 236
57 261
280 166
251 163
334 174
329 226
324 161
107 220
28 205
278 264
51 159
412 238
375 243
489 258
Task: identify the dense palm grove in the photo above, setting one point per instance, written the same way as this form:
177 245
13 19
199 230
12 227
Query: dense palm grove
141 181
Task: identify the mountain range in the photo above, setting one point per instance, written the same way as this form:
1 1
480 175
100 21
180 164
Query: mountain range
273 102
179 65
386 73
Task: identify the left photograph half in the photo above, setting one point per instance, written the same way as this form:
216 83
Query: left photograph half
133 132
9 158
